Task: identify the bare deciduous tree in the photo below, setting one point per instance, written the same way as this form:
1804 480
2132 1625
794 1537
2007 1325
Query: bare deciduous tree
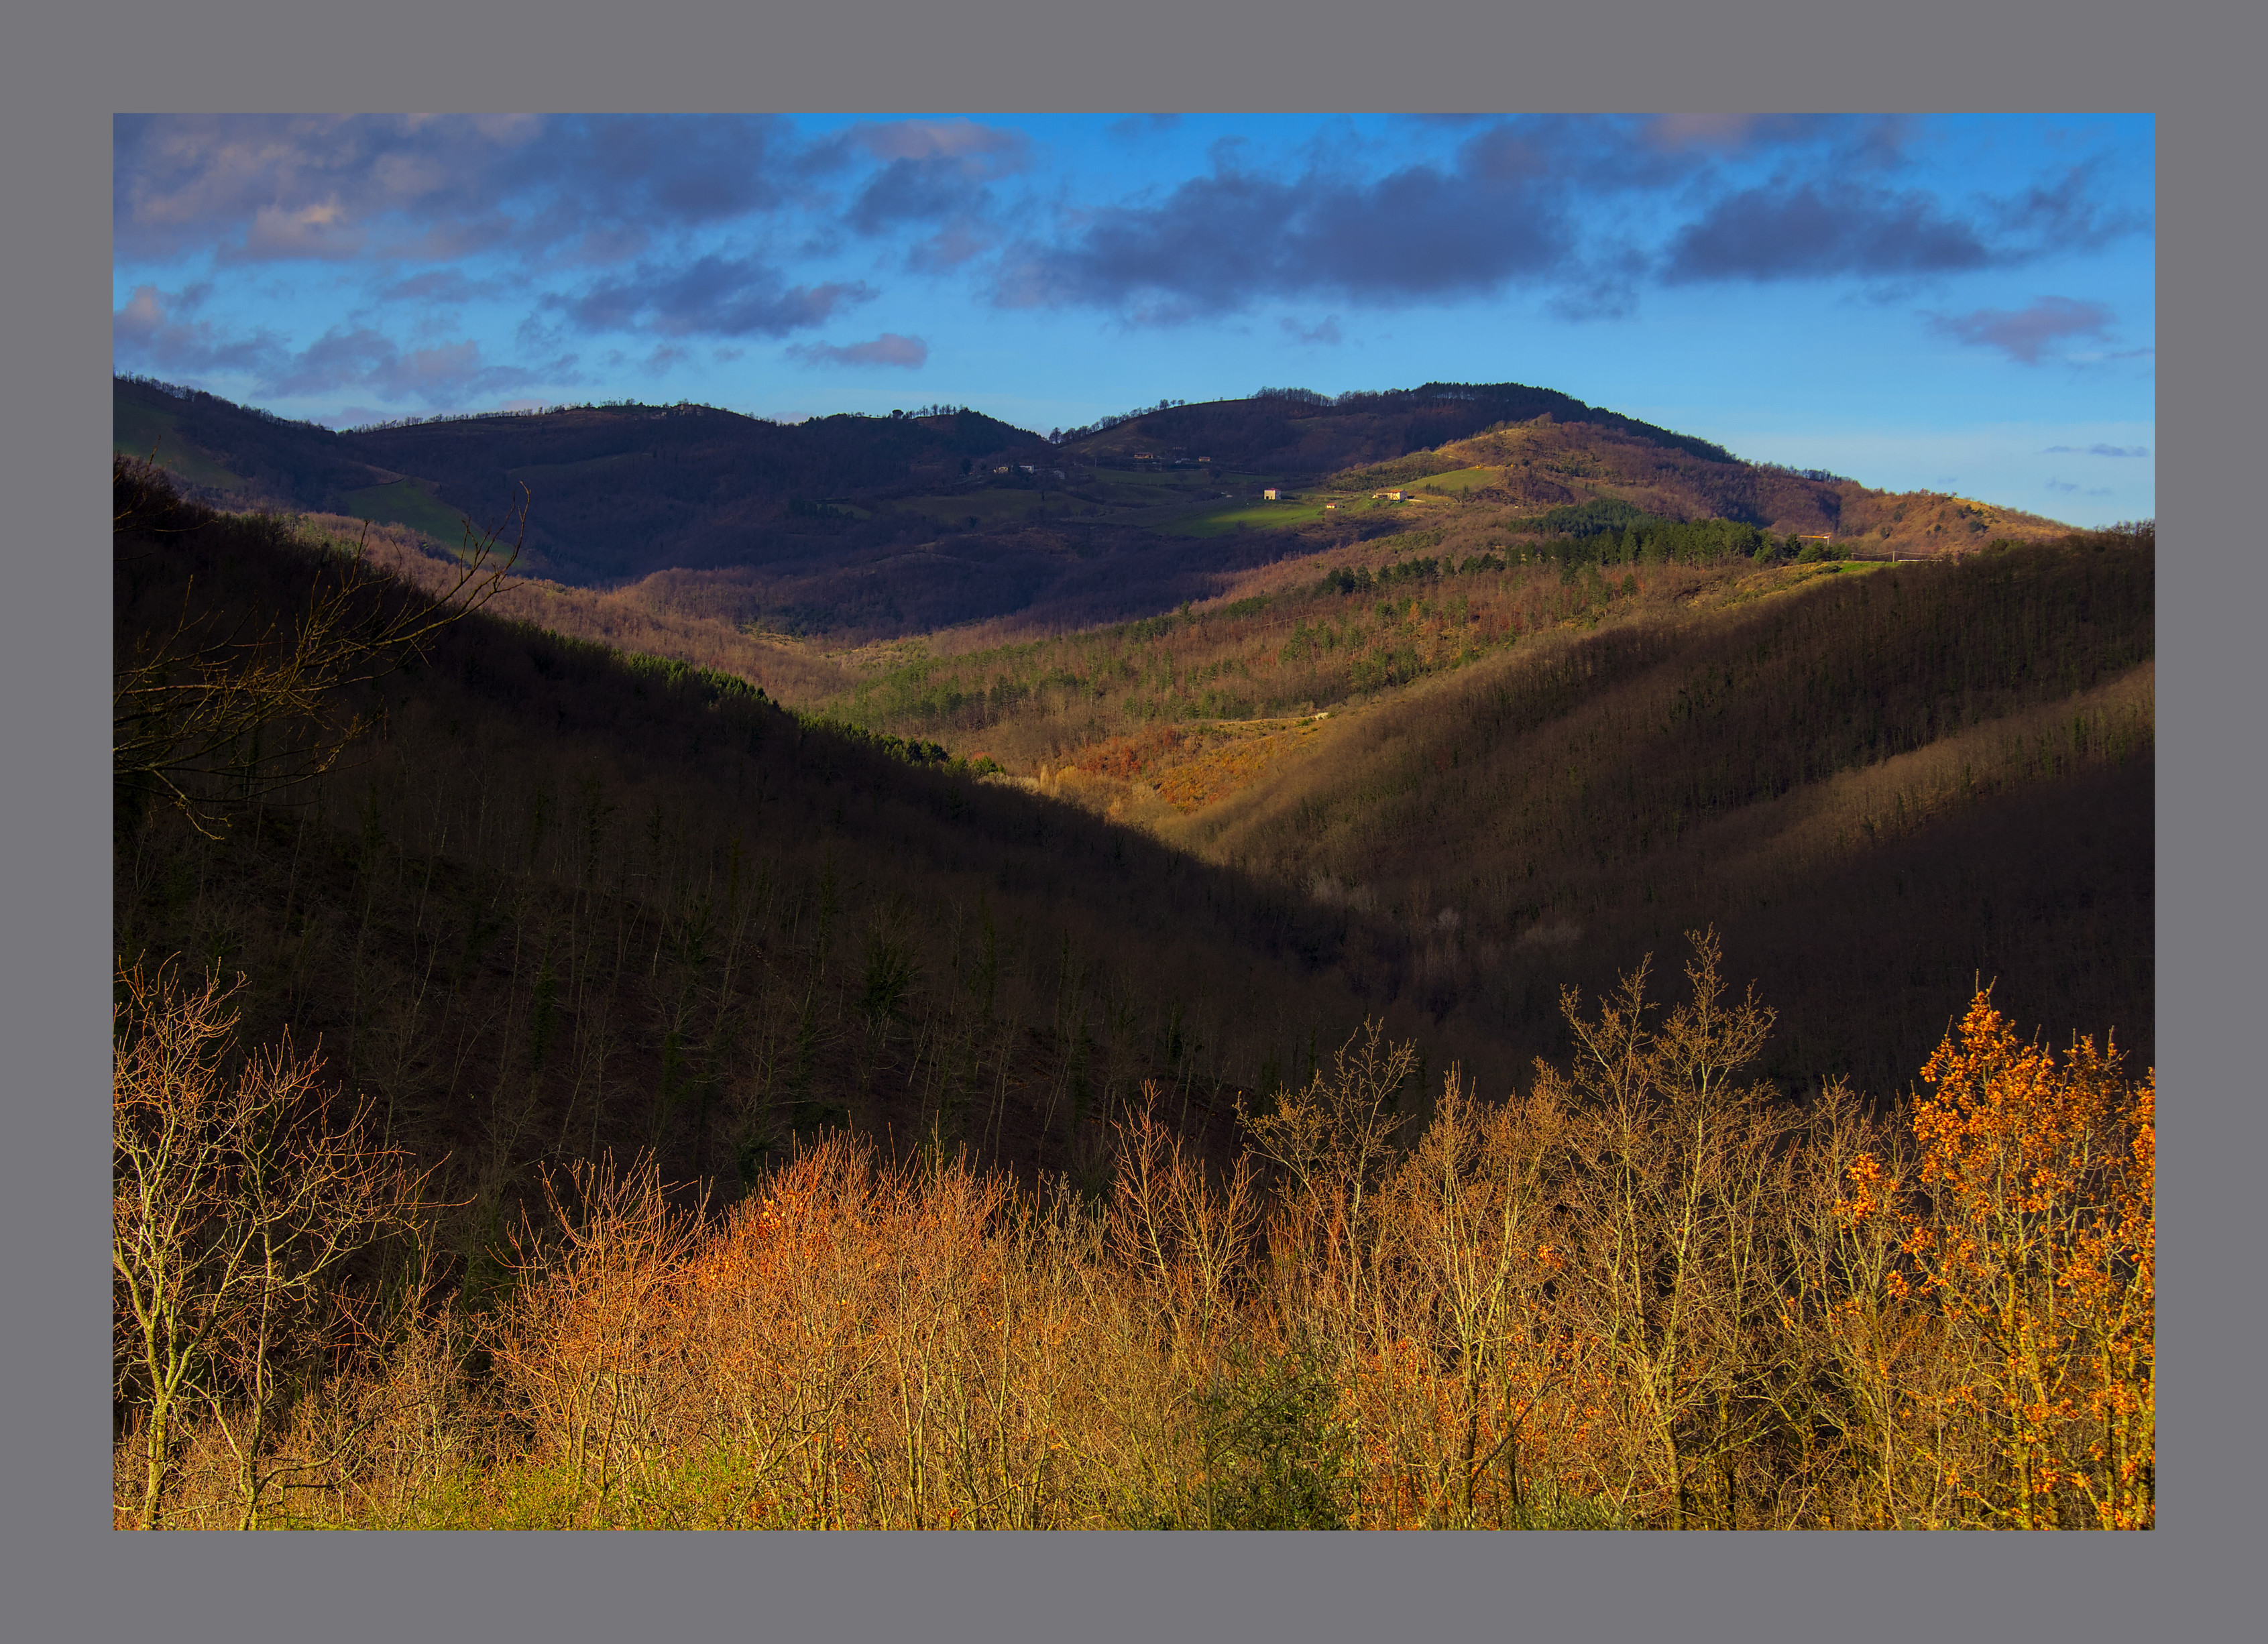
235 1201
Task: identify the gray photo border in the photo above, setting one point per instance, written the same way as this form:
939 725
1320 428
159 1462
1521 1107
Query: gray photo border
71 1577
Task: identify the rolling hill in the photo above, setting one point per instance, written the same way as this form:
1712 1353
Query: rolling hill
874 527
626 490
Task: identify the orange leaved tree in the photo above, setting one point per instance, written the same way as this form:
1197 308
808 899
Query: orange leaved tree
2038 1243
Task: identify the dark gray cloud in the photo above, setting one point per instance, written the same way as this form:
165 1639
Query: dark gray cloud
714 296
274 187
1325 330
1822 229
1219 242
1842 222
889 348
2026 334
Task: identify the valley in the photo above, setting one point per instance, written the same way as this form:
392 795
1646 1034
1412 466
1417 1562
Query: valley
988 862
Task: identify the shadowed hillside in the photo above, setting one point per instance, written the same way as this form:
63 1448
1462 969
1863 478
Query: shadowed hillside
626 490
559 901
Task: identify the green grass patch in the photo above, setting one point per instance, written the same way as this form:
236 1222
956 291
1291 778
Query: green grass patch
1299 511
1457 481
1226 517
408 503
135 429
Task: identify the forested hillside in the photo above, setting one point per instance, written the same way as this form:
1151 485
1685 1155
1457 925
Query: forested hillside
626 490
1300 432
560 900
1882 780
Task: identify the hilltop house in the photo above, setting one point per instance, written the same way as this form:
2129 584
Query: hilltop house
1269 494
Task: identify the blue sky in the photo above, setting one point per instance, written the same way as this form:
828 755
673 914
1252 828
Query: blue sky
1953 303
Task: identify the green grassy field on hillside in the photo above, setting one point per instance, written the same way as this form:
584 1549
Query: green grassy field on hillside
1457 481
1238 515
406 503
139 430
1299 509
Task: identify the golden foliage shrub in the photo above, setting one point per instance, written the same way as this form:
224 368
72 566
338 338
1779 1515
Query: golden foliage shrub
1646 1292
